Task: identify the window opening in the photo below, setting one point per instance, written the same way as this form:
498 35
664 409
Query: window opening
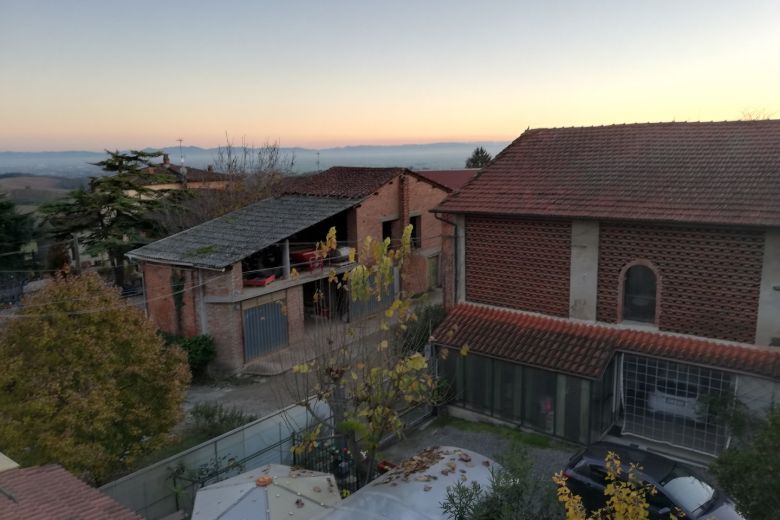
639 294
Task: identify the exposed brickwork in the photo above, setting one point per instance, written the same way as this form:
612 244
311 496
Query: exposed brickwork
518 263
386 205
160 302
225 322
447 264
710 277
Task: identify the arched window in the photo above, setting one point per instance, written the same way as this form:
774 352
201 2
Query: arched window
639 294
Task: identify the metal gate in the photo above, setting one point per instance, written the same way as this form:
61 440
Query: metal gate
265 329
361 308
675 403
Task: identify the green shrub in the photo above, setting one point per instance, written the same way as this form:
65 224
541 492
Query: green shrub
200 351
213 419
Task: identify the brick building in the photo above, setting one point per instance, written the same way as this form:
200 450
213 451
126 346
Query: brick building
249 278
619 280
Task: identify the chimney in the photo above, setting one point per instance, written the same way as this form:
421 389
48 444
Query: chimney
166 159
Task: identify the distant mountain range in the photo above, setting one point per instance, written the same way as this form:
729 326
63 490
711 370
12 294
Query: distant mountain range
415 156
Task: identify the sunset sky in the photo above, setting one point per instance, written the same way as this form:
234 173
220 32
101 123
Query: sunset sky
110 74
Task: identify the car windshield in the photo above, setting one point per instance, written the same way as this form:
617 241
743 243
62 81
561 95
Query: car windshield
686 489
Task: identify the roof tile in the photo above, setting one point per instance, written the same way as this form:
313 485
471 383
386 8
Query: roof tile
585 349
717 173
223 241
51 493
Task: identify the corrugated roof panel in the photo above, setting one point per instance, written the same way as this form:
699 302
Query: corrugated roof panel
230 238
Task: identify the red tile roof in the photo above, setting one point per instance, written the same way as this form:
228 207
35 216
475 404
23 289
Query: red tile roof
584 349
451 179
349 182
50 492
341 181
717 173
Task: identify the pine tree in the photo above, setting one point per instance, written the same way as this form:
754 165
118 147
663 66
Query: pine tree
479 158
114 215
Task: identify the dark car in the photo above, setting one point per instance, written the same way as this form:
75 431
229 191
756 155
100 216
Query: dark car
679 487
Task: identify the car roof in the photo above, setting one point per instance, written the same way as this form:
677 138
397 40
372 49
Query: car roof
653 465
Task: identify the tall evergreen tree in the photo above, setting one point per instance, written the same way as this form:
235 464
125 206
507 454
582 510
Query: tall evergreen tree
114 214
16 230
479 158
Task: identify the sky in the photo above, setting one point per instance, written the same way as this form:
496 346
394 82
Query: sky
89 75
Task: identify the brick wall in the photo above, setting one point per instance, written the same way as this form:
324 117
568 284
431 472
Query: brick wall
225 322
710 278
386 204
447 263
158 290
519 263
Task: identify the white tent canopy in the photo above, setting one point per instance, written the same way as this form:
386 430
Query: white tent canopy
415 489
269 492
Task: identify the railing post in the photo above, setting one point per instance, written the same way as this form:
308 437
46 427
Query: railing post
286 259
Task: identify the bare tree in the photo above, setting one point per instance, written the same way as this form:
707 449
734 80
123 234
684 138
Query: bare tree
757 114
367 373
253 174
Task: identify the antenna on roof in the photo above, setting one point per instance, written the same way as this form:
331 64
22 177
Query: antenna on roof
181 155
183 169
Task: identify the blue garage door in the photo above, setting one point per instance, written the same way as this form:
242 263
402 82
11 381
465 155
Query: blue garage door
265 330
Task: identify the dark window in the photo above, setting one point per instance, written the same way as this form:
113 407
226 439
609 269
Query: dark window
639 294
416 231
387 229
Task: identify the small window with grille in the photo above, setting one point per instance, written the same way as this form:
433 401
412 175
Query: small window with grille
639 294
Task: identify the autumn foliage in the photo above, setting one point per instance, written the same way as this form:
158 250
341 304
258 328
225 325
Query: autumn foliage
625 495
87 382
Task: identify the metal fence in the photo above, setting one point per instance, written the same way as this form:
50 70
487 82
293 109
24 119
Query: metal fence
362 308
170 485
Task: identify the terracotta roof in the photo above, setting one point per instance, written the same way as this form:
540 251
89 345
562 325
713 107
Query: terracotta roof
341 181
584 349
451 179
347 182
717 173
50 492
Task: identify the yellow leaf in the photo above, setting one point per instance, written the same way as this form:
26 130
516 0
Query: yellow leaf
464 350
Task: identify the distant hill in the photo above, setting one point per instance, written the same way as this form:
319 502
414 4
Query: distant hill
416 156
31 190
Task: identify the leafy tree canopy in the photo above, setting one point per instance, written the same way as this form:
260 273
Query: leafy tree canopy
115 213
87 382
479 158
748 472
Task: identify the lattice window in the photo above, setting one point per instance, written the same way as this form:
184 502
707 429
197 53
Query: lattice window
671 403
